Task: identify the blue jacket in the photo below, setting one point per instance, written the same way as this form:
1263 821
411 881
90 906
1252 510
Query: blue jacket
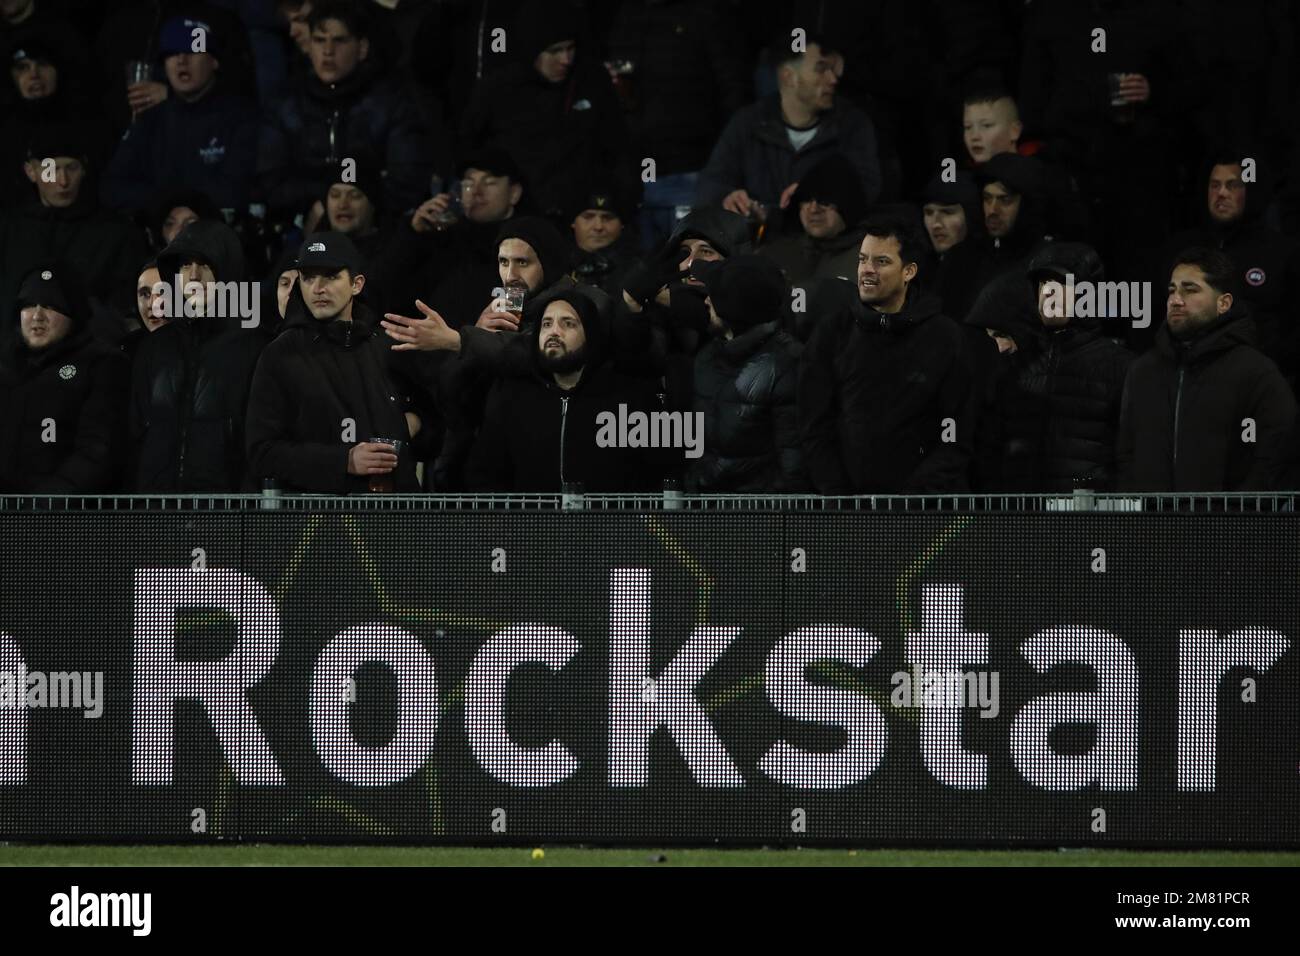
209 145
754 153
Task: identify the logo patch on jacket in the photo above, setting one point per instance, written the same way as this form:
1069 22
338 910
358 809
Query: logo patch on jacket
316 247
67 371
583 104
1255 276
213 153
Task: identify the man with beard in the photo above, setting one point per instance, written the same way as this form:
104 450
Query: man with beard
541 431
450 260
329 384
884 387
61 394
531 259
1267 263
1204 410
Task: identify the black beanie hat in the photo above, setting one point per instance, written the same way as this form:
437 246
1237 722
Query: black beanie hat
546 241
835 182
746 291
369 179
544 23
58 286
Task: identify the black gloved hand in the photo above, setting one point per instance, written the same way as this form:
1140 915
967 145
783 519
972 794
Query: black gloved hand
687 308
647 277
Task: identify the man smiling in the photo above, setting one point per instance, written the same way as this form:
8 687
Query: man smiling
884 384
329 384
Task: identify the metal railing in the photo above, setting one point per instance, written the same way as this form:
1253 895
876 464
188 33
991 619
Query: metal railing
668 501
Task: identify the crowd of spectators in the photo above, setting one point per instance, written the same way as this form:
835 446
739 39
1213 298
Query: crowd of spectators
840 248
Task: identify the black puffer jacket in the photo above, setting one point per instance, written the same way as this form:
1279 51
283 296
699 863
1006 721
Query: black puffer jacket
879 394
1055 413
78 385
305 136
746 390
309 381
1182 421
190 382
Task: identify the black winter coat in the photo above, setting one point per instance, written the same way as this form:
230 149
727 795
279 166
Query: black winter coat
1055 414
79 385
537 437
312 378
561 134
746 388
106 249
1182 421
1268 267
878 396
305 137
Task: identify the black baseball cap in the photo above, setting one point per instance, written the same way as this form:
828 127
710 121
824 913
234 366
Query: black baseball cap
329 251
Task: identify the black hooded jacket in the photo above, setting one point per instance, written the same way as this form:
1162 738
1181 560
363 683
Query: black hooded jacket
745 388
62 427
537 437
313 379
1183 421
885 400
956 275
190 382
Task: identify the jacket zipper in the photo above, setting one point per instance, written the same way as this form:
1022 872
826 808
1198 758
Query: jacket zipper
334 122
564 419
1178 408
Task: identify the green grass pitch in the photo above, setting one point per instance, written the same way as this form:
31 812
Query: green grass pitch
24 854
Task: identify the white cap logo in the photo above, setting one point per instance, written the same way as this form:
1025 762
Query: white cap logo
316 247
47 275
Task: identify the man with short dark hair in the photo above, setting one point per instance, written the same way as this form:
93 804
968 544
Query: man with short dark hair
346 106
953 215
769 146
884 386
62 393
329 385
1204 410
1266 262
201 137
